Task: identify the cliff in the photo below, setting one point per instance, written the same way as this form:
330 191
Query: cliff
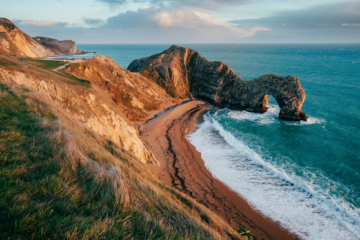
15 42
62 180
89 105
59 47
182 71
133 93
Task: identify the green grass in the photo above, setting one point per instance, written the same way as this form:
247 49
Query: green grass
45 64
38 201
6 63
61 181
245 233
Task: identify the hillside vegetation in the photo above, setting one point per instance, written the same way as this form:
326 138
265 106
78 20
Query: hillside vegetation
61 179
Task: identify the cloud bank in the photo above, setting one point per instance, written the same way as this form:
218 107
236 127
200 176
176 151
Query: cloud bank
190 21
41 23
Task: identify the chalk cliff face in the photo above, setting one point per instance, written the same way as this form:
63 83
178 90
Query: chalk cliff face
13 41
91 106
59 47
132 92
181 70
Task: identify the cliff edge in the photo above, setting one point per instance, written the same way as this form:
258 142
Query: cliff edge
15 42
182 71
59 47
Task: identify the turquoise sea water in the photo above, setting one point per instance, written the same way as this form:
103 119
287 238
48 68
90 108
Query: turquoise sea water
306 175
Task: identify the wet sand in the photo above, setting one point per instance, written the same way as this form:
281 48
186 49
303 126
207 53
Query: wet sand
183 168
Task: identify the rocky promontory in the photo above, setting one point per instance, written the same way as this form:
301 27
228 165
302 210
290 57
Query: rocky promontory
182 70
133 93
59 47
15 42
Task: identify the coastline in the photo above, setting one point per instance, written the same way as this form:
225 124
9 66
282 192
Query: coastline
182 167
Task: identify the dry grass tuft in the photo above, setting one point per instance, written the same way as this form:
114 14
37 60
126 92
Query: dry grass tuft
60 180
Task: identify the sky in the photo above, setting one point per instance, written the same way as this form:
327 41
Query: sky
188 21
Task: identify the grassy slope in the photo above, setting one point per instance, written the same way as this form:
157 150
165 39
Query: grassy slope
41 68
59 180
45 64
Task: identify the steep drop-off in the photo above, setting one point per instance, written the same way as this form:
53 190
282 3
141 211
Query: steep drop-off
59 47
89 105
182 71
15 42
132 92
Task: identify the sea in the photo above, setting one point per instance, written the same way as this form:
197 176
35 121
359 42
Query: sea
304 176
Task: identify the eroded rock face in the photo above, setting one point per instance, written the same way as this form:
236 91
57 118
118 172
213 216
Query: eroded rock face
59 47
181 70
91 106
132 92
15 42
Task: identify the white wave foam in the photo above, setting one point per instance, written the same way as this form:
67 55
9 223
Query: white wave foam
269 117
269 190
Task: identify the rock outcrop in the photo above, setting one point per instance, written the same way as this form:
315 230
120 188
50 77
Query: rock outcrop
132 92
15 42
59 47
91 106
181 70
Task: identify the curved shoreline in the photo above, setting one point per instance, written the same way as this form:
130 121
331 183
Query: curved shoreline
183 168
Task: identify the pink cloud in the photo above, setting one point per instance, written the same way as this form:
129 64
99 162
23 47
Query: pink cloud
351 24
41 23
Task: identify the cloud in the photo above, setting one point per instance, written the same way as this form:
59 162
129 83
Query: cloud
41 23
353 8
321 17
186 16
113 3
165 21
205 4
351 24
320 24
94 22
188 22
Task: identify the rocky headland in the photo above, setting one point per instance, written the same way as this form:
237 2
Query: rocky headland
182 71
15 42
65 47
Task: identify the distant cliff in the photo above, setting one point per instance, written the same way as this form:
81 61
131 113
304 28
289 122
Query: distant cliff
15 42
59 47
182 71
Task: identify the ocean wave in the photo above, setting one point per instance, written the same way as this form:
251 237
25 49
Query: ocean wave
270 117
298 204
